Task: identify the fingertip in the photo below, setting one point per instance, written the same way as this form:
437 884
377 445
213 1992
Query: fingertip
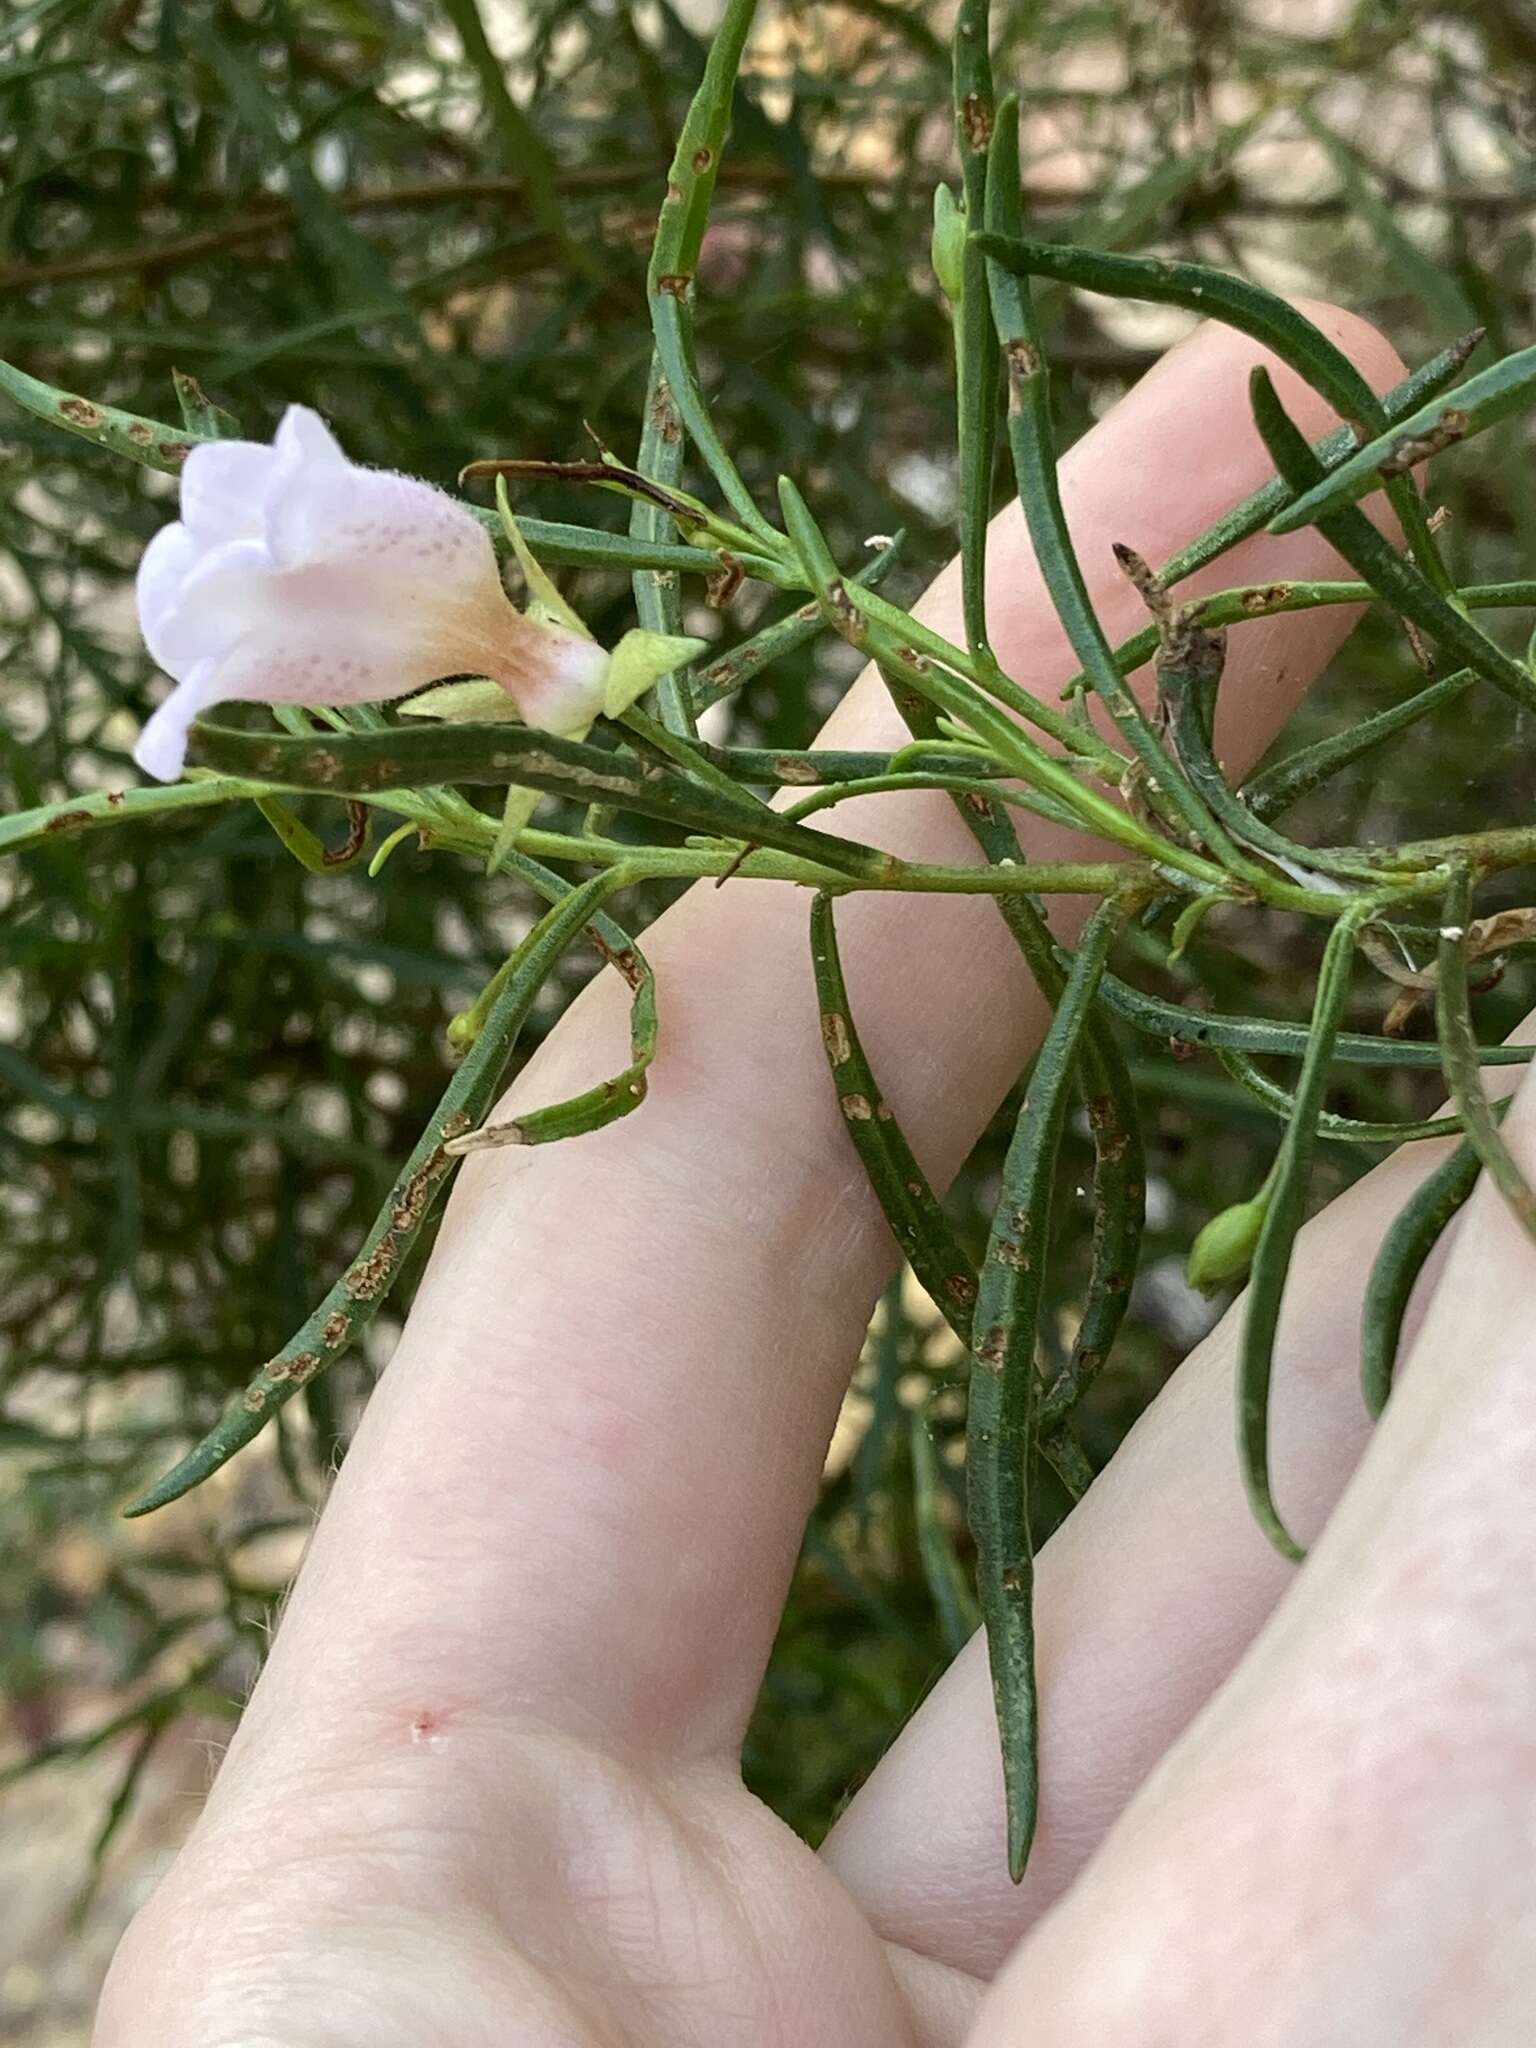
1361 340
1221 358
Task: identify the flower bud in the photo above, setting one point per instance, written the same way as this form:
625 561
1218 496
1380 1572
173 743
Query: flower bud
1224 1247
949 228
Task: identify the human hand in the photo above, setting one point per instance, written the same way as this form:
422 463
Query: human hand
487 1789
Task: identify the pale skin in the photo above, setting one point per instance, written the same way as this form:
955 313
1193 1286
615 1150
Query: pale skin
486 1790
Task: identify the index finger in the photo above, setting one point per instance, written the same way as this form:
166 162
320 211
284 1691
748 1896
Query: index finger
582 1483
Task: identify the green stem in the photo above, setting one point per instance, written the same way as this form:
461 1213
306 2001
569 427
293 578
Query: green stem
1031 438
657 603
977 383
907 632
671 278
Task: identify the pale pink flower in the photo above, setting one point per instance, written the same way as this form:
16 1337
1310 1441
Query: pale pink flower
297 577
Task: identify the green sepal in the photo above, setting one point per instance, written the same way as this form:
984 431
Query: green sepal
640 660
481 702
519 807
543 598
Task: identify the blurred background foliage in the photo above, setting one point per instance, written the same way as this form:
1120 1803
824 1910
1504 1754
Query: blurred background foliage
430 221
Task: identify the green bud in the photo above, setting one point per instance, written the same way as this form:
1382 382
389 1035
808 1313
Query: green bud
948 243
1222 1250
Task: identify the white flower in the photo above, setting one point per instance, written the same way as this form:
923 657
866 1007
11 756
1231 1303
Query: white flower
296 577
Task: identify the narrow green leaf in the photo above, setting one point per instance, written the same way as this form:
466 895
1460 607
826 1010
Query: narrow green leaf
1190 660
1411 1237
816 558
826 767
1002 1421
1275 789
961 784
916 1218
1109 1103
1069 1461
1190 918
150 442
1252 310
68 815
356 1297
1160 1019
359 764
1198 288
1260 506
911 1208
1346 1130
1493 395
310 851
603 1103
1461 1056
1277 1234
1374 558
